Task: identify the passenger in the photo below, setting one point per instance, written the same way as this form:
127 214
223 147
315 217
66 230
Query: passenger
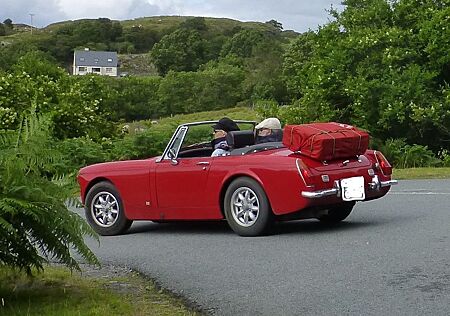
219 142
268 130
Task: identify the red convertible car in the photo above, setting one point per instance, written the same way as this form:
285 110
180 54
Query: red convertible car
251 188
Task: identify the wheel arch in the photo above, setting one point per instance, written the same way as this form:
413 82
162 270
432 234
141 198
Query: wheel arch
233 177
94 182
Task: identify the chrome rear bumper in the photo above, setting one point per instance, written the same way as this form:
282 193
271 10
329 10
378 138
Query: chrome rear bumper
375 184
320 193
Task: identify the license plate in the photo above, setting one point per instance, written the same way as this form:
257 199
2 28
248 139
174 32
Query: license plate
353 189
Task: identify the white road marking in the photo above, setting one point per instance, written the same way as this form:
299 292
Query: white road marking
418 192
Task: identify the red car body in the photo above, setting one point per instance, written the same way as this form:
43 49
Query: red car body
193 188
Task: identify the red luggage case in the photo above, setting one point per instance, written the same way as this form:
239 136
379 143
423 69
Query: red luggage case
326 141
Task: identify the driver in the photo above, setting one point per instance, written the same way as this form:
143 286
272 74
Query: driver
219 143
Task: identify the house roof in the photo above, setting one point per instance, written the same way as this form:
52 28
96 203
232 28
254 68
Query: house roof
95 58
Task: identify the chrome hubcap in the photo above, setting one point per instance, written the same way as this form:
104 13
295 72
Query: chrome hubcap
104 209
244 206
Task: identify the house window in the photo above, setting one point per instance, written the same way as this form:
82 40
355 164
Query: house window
95 69
108 69
81 58
109 60
82 69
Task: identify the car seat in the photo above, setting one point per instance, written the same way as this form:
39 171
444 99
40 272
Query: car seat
239 139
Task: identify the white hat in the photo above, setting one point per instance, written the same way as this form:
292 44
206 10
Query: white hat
270 123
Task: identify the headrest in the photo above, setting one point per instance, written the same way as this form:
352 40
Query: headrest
239 139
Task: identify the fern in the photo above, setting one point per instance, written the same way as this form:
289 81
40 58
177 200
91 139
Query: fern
35 223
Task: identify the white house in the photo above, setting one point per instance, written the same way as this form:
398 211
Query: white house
96 62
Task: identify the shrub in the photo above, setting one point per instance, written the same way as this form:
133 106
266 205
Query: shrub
147 144
418 156
402 155
80 152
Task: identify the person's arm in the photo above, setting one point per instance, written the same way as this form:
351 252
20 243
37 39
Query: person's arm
219 152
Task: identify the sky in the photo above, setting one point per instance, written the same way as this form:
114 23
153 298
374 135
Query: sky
297 15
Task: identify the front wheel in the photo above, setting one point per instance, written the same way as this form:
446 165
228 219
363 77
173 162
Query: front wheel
338 213
104 210
247 208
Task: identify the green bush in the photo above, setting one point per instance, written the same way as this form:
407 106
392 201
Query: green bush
418 156
80 152
402 155
77 105
141 145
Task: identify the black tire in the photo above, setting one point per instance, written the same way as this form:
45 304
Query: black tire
108 218
255 217
338 213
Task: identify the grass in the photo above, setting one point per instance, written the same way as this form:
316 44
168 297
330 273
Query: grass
58 292
422 173
236 113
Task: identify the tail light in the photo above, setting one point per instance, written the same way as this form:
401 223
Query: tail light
304 172
382 164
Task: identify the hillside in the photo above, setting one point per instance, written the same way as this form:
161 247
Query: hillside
161 25
165 24
133 39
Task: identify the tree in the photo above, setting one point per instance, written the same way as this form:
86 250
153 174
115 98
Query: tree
76 104
277 25
37 63
101 30
35 224
380 65
242 43
20 91
296 59
137 100
181 50
140 37
213 88
82 107
196 24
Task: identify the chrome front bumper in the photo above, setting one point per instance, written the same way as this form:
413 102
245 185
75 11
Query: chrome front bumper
375 184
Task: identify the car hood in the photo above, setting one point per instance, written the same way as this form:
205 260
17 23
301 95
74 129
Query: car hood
107 167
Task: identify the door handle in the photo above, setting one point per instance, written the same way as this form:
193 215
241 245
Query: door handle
203 163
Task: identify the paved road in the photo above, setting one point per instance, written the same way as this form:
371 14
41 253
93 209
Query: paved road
390 257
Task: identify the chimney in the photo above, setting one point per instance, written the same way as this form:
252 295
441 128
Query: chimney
86 49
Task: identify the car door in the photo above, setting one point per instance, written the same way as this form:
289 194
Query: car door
182 185
180 182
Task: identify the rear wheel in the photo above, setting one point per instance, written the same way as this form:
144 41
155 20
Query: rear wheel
338 213
104 210
247 208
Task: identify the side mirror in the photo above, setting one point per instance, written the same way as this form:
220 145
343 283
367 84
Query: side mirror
171 154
